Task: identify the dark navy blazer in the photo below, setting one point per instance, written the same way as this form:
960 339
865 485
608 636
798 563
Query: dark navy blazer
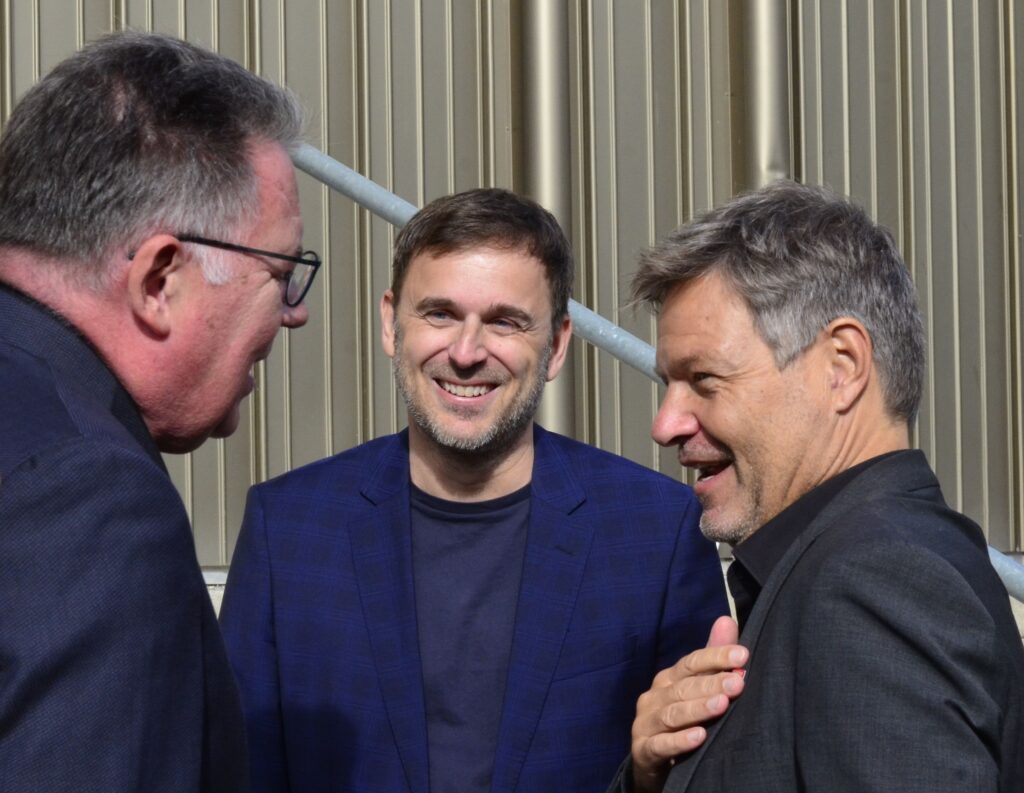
113 675
320 620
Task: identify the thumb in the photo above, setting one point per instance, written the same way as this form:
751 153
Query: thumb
724 631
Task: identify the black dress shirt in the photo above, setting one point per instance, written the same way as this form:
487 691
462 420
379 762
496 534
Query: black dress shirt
756 556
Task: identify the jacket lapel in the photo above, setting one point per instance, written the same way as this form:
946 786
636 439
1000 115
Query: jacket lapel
557 547
382 560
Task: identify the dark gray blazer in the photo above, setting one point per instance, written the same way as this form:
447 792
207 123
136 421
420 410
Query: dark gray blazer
884 657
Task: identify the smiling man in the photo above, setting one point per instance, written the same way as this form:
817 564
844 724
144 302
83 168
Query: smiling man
882 652
473 604
127 329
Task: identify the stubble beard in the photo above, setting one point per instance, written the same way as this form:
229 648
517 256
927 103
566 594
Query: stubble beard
493 441
734 530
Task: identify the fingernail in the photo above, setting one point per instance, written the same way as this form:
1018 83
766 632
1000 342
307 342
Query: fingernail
717 702
695 736
737 656
731 684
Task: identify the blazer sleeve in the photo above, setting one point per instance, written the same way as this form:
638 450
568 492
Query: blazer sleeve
694 594
101 653
247 622
896 672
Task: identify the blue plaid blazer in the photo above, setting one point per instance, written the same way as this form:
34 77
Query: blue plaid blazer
319 618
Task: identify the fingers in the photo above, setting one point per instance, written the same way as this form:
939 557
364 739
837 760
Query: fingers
653 753
695 690
703 662
724 631
687 703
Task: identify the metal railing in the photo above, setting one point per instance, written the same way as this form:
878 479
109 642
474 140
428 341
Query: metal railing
587 324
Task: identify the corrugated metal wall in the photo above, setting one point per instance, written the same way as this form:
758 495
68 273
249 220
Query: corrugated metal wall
914 107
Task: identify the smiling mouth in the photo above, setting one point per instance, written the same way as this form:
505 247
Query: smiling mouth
465 390
708 470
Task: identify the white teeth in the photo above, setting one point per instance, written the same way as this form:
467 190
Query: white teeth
465 390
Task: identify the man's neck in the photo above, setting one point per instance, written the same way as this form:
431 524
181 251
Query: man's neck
467 476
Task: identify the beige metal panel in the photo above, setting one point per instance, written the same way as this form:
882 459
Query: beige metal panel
22 33
655 129
291 50
958 209
900 106
546 136
767 92
1013 83
339 297
849 109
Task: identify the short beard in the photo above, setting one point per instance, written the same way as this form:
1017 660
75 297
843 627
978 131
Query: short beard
735 531
495 441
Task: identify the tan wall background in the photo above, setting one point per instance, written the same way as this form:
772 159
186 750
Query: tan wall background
911 106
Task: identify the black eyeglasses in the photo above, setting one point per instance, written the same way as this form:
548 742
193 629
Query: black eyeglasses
297 281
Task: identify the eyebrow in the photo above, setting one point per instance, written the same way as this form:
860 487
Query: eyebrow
493 310
687 363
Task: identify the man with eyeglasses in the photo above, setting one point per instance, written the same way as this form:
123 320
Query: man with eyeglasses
149 254
474 604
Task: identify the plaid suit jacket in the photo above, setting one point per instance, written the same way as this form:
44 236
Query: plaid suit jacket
320 620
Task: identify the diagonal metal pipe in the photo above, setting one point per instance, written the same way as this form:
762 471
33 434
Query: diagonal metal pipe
588 325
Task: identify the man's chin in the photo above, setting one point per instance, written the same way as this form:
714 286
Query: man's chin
228 424
719 528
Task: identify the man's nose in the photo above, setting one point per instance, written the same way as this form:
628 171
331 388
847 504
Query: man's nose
675 421
467 348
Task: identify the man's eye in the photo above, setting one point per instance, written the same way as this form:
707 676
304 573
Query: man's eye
437 316
505 325
703 382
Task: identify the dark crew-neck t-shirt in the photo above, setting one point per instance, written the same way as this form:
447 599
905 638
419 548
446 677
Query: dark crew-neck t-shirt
467 564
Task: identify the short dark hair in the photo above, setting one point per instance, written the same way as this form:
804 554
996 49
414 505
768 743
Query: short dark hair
135 133
800 257
489 217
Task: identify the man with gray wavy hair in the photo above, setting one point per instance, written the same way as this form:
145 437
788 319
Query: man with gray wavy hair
149 254
882 652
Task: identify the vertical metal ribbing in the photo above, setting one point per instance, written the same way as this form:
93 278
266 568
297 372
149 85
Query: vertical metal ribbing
1013 256
979 223
7 74
958 385
547 165
592 293
767 107
326 283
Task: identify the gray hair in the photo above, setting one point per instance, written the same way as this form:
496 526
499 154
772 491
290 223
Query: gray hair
136 133
800 257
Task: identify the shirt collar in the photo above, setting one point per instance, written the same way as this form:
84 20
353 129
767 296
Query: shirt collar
757 556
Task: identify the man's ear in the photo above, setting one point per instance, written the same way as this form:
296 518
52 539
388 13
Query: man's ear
154 281
559 347
851 365
387 323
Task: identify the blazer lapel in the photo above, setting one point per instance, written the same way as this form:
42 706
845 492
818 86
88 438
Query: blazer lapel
557 547
382 560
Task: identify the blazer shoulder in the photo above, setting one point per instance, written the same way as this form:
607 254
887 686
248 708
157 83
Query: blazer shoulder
899 530
344 472
34 415
591 459
606 478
